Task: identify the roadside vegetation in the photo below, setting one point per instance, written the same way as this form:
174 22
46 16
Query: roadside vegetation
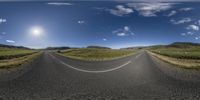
95 54
13 57
185 55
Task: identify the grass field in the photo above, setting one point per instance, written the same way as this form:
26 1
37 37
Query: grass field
182 57
7 53
93 54
11 57
187 53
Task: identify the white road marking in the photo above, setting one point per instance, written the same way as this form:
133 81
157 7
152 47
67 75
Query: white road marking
90 71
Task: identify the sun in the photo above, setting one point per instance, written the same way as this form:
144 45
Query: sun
36 31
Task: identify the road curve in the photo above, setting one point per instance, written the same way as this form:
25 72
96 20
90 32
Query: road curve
94 66
140 79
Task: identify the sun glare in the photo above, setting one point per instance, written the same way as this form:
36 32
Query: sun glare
36 31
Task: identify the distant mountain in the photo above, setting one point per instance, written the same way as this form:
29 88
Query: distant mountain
98 47
57 48
137 47
11 46
175 44
183 44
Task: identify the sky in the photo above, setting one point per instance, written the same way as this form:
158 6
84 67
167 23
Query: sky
115 24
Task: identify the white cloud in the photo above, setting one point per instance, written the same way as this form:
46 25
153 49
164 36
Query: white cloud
125 31
173 12
60 3
10 41
193 27
196 38
183 34
104 39
185 9
2 20
187 33
198 22
151 8
81 22
159 0
126 28
121 34
3 33
190 33
182 21
100 8
121 10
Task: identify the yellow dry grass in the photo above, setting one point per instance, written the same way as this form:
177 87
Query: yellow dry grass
15 62
183 63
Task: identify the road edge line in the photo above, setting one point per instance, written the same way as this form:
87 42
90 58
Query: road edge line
89 71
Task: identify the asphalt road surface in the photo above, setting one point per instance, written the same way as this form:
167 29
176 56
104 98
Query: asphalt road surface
54 77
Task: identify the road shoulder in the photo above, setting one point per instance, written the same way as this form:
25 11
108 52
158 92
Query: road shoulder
12 73
176 72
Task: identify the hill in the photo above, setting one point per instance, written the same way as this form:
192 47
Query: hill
98 47
57 48
183 44
11 46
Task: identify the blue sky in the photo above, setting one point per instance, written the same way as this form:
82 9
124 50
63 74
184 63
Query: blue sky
114 24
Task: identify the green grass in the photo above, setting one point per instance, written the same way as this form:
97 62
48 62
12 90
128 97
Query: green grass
12 57
7 53
96 54
180 53
15 62
183 57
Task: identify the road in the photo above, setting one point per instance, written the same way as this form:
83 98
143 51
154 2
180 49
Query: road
137 77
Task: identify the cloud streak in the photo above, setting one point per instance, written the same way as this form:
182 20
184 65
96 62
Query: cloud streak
3 33
186 9
59 3
2 20
121 11
172 13
187 33
193 27
182 21
10 41
159 0
150 9
125 31
104 39
81 22
198 22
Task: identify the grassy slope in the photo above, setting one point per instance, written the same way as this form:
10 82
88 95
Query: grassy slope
12 57
9 53
183 57
183 63
96 54
181 53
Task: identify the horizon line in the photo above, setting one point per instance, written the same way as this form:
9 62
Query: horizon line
96 45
